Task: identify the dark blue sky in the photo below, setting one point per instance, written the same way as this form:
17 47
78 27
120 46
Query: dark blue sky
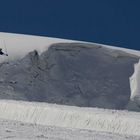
114 22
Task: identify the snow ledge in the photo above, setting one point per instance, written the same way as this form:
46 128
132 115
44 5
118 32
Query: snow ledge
121 122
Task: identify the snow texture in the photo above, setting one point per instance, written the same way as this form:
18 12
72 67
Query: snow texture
71 73
14 130
18 45
71 117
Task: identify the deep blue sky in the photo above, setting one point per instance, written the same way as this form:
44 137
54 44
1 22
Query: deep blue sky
114 22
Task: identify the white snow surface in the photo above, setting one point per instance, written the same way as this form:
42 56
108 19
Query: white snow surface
14 130
121 122
19 45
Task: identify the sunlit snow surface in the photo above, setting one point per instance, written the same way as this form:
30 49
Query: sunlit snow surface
70 73
121 122
18 45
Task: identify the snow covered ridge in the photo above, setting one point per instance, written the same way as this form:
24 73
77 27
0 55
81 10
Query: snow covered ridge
19 45
71 117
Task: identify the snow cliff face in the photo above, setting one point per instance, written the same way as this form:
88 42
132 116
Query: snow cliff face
76 74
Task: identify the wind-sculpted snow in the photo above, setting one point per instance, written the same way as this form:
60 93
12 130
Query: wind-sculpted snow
76 74
71 117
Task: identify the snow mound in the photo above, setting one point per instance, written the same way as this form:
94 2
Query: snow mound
71 117
79 74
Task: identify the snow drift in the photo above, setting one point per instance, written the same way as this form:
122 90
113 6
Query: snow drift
72 117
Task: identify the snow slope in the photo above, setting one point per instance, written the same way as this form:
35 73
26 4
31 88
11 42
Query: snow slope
14 130
69 72
71 117
19 45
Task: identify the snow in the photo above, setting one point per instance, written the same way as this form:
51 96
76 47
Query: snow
14 130
19 45
134 84
74 73
121 122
